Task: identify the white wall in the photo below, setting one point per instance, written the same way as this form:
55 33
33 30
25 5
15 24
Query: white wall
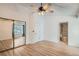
52 29
74 33
36 30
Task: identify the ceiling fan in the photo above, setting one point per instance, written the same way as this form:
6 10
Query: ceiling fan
43 8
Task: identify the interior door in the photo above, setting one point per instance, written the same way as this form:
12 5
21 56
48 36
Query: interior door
64 32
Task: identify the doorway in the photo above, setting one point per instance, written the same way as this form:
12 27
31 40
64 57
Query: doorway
64 32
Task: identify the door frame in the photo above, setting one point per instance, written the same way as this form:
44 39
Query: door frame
60 31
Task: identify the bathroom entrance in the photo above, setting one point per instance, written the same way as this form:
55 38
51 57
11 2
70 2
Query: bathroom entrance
64 32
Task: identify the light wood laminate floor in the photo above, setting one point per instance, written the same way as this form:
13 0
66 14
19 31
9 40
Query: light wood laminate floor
43 48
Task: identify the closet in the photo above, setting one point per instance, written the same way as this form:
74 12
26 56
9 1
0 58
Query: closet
12 33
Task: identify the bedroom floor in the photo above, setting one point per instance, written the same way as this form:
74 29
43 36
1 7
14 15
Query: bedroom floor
43 48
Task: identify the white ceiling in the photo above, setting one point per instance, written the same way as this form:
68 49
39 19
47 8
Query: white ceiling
59 8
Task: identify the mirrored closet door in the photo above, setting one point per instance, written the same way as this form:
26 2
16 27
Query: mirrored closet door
12 34
6 39
19 33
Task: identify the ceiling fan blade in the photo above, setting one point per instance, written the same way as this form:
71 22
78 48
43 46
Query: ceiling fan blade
50 10
46 6
33 6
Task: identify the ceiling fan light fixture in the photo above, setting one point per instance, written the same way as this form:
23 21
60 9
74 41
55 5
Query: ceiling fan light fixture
41 13
44 9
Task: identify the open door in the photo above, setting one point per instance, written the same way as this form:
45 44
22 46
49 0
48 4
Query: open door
64 32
